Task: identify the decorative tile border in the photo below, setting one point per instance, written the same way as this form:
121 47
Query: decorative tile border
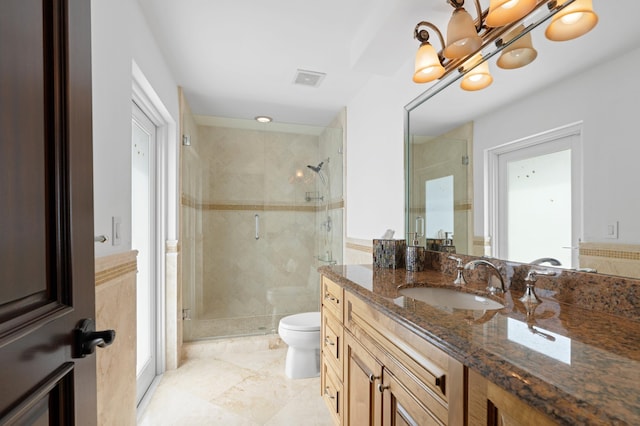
359 247
482 241
462 206
172 246
610 251
108 268
611 254
190 202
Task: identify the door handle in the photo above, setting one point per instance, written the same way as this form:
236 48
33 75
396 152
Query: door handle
86 338
257 218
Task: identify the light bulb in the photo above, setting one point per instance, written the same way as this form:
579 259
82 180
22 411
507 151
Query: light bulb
571 18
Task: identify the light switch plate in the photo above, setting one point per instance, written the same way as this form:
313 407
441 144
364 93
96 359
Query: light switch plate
612 230
116 230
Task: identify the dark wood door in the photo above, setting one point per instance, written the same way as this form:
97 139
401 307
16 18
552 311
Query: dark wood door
46 205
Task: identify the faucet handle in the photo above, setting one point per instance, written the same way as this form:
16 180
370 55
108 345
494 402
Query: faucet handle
458 261
460 267
529 297
532 275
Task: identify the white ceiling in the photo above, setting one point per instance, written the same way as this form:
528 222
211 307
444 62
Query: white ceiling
238 58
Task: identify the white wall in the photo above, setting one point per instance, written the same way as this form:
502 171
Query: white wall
605 99
375 160
120 37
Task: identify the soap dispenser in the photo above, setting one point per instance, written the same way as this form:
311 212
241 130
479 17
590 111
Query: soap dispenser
416 255
448 246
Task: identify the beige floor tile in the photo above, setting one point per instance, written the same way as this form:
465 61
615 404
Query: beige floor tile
259 397
173 407
206 378
241 386
256 360
307 408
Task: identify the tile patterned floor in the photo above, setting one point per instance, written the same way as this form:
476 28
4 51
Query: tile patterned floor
235 382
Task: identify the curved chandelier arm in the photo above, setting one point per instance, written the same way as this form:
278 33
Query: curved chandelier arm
480 23
422 35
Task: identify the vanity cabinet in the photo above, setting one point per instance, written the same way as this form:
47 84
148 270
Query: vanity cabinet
332 342
392 377
490 405
376 371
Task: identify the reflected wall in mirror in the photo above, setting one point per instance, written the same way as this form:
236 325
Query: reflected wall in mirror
437 162
600 97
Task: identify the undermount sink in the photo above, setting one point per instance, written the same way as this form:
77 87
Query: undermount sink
446 297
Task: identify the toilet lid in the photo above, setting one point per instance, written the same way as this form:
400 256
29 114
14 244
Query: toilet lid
308 321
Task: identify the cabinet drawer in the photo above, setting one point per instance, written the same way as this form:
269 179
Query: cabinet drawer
332 341
424 365
332 392
332 297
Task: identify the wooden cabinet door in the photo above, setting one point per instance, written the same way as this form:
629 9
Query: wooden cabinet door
488 404
400 407
505 409
362 377
47 283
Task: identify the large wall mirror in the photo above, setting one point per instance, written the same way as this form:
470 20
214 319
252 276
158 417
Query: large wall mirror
543 163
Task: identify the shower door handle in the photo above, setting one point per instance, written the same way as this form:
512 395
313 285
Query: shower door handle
257 218
419 226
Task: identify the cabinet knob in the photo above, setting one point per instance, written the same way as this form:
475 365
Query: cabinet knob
373 378
328 296
328 394
382 388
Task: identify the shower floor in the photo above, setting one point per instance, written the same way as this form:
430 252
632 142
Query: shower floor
231 327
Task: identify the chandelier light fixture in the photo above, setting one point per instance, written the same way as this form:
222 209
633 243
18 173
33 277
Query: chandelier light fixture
478 77
505 26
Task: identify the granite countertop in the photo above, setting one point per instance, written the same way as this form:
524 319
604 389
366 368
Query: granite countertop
578 366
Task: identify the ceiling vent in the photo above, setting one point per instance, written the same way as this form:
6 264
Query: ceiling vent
308 78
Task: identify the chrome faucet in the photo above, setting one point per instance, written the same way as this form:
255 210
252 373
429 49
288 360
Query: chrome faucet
550 260
474 263
459 277
530 296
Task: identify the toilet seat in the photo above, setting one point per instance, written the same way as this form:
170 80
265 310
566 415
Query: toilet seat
307 321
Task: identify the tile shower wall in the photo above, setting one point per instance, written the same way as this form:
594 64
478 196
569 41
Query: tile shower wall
231 279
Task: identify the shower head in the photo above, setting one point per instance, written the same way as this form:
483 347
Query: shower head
316 168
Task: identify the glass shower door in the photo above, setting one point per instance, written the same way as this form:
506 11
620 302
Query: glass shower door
250 230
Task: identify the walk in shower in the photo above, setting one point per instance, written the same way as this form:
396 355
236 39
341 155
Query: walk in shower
262 208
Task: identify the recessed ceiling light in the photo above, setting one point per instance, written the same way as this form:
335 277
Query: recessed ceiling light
263 119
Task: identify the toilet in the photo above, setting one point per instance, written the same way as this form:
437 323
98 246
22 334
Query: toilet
301 332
